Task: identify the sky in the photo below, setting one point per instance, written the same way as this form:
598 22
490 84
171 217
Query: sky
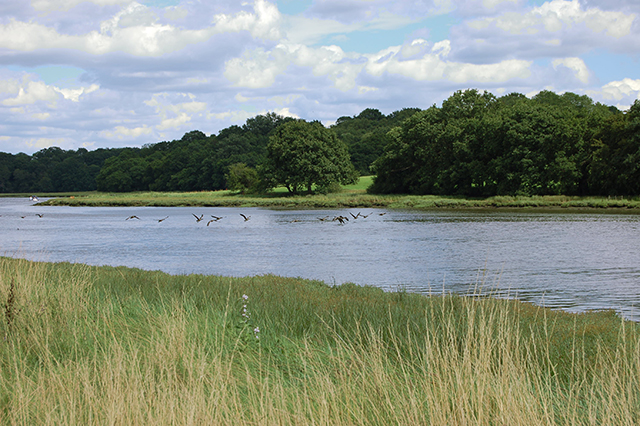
116 73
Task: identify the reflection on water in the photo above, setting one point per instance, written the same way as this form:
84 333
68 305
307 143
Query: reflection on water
573 261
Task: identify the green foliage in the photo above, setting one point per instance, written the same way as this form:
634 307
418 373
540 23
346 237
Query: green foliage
196 162
241 178
302 155
366 134
52 170
474 145
480 145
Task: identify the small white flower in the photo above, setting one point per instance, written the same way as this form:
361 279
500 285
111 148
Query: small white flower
245 297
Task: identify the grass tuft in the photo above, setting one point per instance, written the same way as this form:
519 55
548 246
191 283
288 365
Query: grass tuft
125 346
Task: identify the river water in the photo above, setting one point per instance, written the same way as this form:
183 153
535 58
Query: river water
571 261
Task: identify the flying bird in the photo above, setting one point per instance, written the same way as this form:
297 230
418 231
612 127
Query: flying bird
164 218
215 218
356 216
133 217
341 219
246 218
39 215
198 219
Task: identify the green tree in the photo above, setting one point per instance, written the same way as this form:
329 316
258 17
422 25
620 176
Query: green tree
241 178
301 155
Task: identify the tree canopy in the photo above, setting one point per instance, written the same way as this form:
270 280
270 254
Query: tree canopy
475 144
480 145
301 155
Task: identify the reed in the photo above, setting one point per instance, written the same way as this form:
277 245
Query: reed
103 345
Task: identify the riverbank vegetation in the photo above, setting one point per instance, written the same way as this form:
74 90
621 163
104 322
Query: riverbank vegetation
474 145
350 196
479 145
93 345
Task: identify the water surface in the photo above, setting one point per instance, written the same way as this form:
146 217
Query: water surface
571 261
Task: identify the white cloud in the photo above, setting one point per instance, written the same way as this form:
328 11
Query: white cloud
41 143
174 114
556 15
365 89
134 30
64 5
617 90
31 93
121 132
577 65
432 67
257 69
263 23
74 94
489 73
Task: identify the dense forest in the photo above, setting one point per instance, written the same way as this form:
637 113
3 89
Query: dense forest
475 144
52 170
480 145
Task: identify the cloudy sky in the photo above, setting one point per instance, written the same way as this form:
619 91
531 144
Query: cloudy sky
113 73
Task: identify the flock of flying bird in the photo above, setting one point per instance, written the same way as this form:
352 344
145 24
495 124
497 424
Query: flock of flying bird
341 219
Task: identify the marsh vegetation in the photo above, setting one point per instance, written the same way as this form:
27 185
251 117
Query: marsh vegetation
92 345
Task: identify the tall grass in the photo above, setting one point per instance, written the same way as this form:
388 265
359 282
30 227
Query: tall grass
102 345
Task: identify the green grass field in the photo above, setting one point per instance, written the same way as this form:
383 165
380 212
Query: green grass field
101 345
351 196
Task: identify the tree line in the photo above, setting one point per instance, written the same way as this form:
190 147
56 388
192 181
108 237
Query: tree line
479 145
475 144
52 170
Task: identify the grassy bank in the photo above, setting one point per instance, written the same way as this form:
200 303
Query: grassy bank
345 200
352 196
102 345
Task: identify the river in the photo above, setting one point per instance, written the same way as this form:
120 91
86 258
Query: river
573 261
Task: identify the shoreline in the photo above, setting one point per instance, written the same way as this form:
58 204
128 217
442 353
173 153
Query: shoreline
350 199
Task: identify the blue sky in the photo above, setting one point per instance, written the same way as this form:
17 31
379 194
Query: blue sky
113 73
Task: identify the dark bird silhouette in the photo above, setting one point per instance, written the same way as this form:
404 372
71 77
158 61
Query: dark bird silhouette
215 218
323 218
246 218
198 219
366 216
341 219
23 217
133 217
39 215
163 219
382 214
296 220
212 220
356 216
